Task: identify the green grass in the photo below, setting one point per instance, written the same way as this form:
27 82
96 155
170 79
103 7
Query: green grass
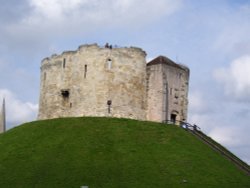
110 153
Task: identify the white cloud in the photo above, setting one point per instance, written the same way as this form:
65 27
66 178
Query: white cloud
225 122
17 111
81 16
235 79
233 37
232 137
58 10
226 135
47 21
197 103
52 10
199 110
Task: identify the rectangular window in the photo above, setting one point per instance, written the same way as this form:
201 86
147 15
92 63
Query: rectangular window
44 76
85 70
64 62
180 75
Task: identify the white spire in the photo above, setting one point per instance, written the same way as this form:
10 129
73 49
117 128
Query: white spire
2 118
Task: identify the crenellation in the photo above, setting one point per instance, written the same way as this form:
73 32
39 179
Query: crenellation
68 53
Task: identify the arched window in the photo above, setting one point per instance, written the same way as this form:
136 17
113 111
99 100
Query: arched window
109 64
174 117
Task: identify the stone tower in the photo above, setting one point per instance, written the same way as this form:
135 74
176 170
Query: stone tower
94 81
3 118
167 90
113 82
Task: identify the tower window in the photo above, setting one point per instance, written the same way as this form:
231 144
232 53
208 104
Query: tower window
44 76
109 63
173 118
64 62
85 70
180 75
65 93
109 103
176 95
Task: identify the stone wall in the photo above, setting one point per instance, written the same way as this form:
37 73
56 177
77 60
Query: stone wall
99 81
167 90
94 81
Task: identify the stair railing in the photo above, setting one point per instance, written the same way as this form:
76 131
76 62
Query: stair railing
196 131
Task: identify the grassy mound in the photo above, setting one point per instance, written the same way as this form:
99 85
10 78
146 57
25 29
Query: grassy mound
112 153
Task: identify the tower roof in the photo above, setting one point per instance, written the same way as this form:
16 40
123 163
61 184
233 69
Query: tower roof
167 61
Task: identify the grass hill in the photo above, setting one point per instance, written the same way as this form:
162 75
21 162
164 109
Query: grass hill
111 153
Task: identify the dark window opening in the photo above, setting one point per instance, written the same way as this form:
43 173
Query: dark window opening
64 62
109 63
176 95
85 70
170 91
109 103
173 118
180 75
44 76
65 93
70 105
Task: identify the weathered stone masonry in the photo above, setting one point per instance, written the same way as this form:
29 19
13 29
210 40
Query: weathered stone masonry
167 90
96 81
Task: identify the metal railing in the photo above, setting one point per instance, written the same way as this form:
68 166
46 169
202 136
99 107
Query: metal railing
196 131
183 124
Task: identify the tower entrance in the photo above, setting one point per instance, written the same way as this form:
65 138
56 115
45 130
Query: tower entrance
173 118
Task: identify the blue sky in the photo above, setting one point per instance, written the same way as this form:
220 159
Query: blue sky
211 37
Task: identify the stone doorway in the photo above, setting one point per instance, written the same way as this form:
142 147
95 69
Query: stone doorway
173 118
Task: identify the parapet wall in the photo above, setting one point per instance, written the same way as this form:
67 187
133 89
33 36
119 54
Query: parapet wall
94 81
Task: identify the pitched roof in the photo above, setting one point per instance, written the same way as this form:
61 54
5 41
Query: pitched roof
167 61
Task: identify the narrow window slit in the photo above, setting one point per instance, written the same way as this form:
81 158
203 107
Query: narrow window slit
109 103
85 70
44 76
64 62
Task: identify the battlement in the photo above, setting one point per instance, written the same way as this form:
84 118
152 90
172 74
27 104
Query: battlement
94 47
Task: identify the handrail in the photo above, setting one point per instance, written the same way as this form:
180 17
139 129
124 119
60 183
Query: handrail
209 141
183 124
196 131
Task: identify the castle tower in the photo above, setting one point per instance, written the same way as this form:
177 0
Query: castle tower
94 81
167 90
113 82
3 118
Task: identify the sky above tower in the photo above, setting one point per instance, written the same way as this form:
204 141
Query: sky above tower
211 37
